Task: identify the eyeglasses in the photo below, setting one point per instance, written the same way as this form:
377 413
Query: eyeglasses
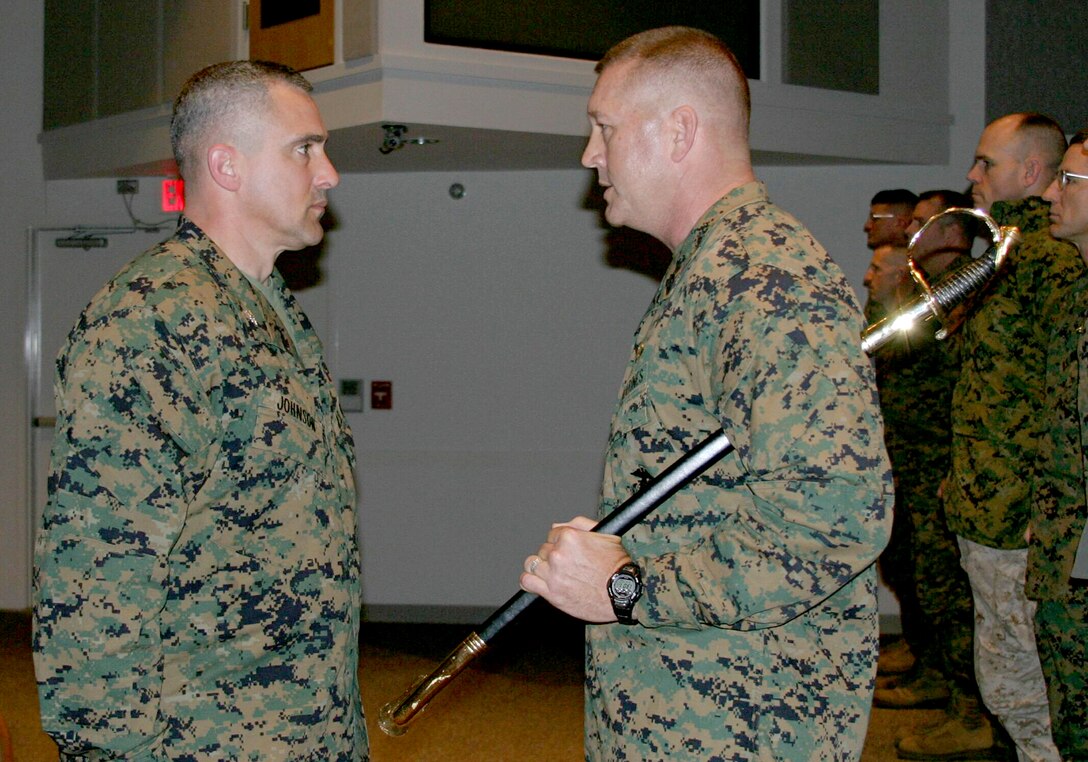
1064 178
884 216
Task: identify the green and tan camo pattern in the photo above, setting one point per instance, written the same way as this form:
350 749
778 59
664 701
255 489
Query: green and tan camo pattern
1058 506
757 635
916 375
999 401
197 589
1059 512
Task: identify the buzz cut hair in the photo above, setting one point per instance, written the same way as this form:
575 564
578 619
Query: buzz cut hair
901 197
950 199
223 94
684 56
1043 136
947 198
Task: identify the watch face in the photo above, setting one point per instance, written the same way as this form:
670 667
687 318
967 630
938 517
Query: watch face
624 587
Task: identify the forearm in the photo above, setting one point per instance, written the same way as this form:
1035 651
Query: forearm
778 554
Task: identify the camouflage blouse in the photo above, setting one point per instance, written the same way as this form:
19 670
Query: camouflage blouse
757 629
1059 509
998 401
197 574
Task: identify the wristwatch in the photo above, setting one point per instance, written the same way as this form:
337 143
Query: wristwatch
624 588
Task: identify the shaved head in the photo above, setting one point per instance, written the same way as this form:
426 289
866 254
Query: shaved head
680 63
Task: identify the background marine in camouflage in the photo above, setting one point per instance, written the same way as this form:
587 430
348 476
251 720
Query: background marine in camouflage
1058 509
197 590
997 415
916 374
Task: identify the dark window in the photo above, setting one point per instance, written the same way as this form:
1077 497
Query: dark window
276 12
835 46
586 30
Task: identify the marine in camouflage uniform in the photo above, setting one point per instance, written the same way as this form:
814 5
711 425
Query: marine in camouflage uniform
1057 523
998 408
1059 508
197 587
896 563
915 375
757 631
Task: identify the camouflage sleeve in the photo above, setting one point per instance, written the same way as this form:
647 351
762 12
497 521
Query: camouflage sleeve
131 418
811 505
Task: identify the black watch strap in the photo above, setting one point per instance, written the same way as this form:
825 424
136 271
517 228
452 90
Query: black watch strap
624 589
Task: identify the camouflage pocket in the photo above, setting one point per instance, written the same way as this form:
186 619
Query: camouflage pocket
274 494
654 423
286 427
113 599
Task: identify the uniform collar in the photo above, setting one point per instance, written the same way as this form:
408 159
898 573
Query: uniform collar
1030 214
727 206
260 320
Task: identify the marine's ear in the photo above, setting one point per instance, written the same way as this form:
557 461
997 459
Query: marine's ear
1032 171
683 124
223 166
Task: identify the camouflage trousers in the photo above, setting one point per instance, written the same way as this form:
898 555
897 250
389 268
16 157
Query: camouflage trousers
944 596
1006 661
1061 629
921 561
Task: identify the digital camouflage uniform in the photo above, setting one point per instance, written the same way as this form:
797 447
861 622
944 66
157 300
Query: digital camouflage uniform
997 401
998 408
757 635
1058 520
197 587
915 376
896 563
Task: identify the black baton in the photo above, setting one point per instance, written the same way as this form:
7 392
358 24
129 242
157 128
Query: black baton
395 716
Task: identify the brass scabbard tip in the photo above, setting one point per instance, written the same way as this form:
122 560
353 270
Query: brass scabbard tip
394 716
387 720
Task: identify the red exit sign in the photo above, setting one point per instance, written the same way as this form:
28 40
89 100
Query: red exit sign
173 195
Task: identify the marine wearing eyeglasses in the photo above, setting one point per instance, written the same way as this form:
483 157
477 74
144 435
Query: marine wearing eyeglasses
1057 574
939 628
889 216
